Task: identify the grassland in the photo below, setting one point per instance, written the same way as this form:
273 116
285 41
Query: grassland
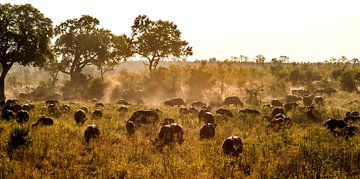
306 149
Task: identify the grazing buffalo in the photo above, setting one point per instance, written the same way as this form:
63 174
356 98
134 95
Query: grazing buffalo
327 91
279 121
11 102
206 116
80 116
232 146
51 101
225 112
27 107
175 102
53 110
123 110
333 124
193 110
97 114
91 132
99 105
319 100
277 111
351 119
65 108
233 100
250 111
308 100
85 109
198 104
276 103
130 127
300 92
169 135
183 111
8 114
290 106
168 121
122 102
291 98
144 117
207 131
43 121
22 116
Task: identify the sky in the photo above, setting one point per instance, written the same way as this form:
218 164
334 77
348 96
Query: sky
304 30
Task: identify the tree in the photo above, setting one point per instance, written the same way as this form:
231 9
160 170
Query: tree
260 59
157 40
25 35
284 59
113 50
355 60
79 43
52 67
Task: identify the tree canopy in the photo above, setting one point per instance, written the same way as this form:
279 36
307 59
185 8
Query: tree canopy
25 35
157 40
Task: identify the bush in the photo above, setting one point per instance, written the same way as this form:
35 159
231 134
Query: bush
347 82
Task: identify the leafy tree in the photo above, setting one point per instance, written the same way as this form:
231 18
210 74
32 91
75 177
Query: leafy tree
157 40
25 35
52 67
260 59
347 81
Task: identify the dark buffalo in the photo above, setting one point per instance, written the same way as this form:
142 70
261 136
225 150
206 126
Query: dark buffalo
327 91
207 131
168 121
351 119
80 116
206 116
169 135
333 124
183 111
225 112
43 121
276 103
8 114
22 116
85 109
250 112
11 102
279 121
291 98
122 102
97 114
123 110
277 111
232 146
52 101
144 117
65 108
53 109
130 127
175 102
233 100
27 107
300 92
290 106
193 110
319 100
99 105
308 100
91 132
198 104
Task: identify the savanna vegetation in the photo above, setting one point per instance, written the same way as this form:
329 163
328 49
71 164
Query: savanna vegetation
87 62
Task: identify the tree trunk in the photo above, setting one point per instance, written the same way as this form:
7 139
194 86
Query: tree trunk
5 71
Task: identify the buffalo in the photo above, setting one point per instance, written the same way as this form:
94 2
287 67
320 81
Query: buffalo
85 109
122 102
308 100
319 100
233 100
168 121
43 121
225 112
80 116
290 106
183 111
97 114
198 104
8 114
279 121
207 131
91 132
277 111
291 98
144 116
250 112
206 116
232 146
22 116
123 110
169 135
130 127
99 105
276 103
333 124
175 102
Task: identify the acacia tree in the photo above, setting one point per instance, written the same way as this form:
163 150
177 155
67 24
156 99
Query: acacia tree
25 35
157 40
113 50
52 67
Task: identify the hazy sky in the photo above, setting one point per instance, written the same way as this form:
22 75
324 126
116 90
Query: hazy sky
310 30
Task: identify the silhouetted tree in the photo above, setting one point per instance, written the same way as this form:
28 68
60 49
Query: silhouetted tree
259 59
52 67
157 40
24 38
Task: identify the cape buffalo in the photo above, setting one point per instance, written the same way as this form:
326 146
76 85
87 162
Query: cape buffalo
170 134
97 114
250 111
206 116
175 102
80 116
7 115
91 132
276 103
130 127
224 112
144 117
43 121
22 116
207 131
232 146
233 100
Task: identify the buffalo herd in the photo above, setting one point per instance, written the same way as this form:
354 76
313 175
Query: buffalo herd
172 133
